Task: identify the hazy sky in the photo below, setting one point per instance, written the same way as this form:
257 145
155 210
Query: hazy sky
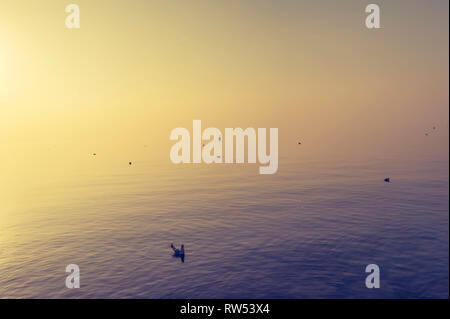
137 69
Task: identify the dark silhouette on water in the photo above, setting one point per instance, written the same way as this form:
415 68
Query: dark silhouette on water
387 180
129 163
178 252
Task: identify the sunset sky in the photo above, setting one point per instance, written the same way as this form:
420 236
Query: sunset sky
137 69
86 176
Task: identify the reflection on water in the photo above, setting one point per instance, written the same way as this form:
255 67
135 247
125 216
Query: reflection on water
308 231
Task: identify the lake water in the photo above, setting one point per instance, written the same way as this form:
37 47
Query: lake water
306 232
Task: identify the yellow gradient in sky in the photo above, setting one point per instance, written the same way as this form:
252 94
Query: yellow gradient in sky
137 69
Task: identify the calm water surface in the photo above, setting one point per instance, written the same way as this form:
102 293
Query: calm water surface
306 232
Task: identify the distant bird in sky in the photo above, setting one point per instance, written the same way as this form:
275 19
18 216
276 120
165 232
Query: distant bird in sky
299 143
387 180
129 163
433 128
